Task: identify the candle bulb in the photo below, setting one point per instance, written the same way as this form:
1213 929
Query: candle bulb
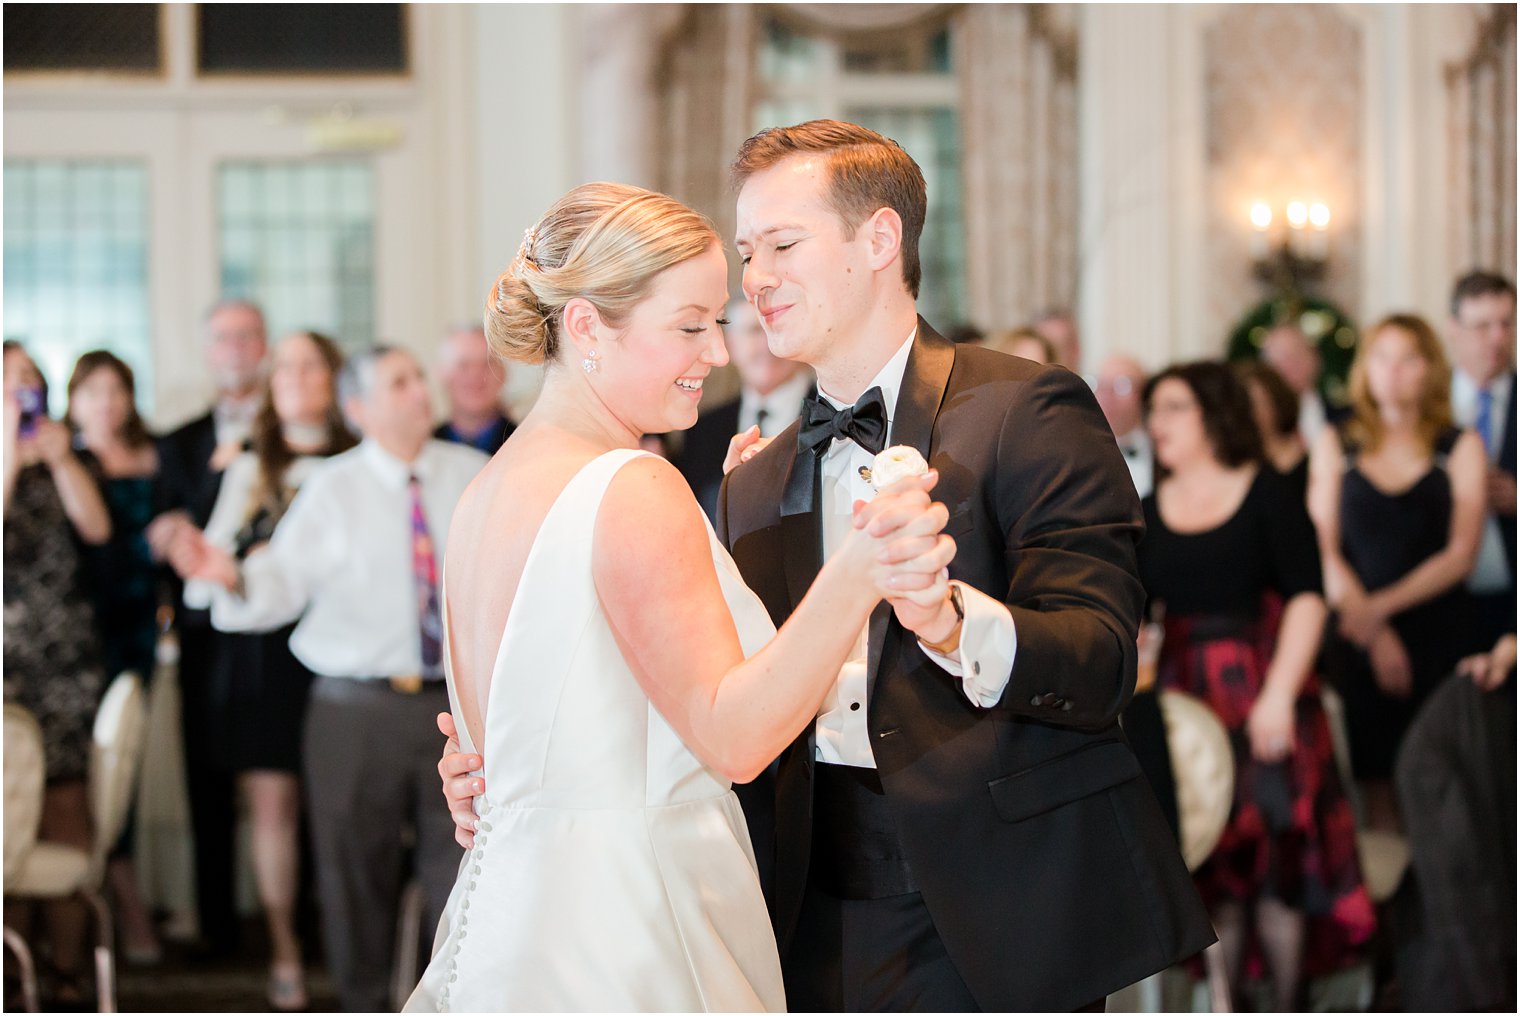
1298 217
1319 236
1261 221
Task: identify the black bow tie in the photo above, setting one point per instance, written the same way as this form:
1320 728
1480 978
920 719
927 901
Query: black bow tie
865 423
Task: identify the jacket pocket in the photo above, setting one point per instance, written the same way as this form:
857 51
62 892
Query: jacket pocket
1063 779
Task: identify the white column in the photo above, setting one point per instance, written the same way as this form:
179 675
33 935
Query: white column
619 50
1127 290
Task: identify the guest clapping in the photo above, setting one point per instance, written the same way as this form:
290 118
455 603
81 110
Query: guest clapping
258 690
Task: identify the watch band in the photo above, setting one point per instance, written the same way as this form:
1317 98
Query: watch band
950 643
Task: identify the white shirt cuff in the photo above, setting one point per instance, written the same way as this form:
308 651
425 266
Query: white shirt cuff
989 642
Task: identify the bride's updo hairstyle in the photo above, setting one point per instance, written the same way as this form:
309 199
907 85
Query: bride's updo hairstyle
604 242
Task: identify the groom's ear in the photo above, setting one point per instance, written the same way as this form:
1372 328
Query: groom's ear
580 322
883 233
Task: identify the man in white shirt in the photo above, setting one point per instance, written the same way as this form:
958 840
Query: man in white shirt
356 558
770 398
1482 335
1120 385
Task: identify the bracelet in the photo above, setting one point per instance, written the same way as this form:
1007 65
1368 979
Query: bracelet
950 643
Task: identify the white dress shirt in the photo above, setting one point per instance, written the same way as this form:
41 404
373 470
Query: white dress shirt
343 555
988 641
1491 572
233 418
234 504
1136 446
782 405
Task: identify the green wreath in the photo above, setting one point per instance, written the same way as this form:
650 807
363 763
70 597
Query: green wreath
1326 325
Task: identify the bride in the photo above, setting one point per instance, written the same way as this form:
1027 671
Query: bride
606 658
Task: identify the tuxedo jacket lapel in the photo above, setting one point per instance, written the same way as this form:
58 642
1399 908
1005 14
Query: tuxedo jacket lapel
918 400
801 525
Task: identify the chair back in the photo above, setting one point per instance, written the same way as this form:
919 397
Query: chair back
25 776
115 755
1204 767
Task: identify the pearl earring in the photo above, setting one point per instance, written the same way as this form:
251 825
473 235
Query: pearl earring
590 364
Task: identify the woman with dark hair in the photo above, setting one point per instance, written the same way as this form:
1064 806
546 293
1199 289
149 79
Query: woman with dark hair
1274 407
260 688
116 448
52 658
1398 500
1222 535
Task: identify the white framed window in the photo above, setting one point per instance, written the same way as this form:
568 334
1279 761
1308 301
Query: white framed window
76 266
901 84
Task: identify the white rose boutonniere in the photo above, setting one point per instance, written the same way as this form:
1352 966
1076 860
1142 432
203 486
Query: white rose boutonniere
893 464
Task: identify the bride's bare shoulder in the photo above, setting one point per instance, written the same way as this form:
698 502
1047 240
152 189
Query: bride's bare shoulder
649 513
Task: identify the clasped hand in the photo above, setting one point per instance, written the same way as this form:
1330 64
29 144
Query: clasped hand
897 547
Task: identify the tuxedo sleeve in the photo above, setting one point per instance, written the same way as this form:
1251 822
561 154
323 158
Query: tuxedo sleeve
1071 522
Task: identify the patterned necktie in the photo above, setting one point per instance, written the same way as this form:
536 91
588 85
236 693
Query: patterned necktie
425 576
1484 418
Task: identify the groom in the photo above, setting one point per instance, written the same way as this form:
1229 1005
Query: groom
964 827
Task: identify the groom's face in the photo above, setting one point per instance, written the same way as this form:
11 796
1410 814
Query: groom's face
804 270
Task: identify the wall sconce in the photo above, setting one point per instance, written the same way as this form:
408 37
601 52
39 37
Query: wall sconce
1290 258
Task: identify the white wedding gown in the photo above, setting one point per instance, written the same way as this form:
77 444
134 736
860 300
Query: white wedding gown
612 870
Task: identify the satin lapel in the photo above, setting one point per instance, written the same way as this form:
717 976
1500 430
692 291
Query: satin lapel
801 538
918 401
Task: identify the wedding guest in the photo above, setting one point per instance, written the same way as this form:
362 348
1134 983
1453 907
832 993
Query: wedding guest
472 378
1121 380
1483 398
191 461
1398 502
1024 342
114 445
1286 349
771 391
258 690
1274 407
1059 328
355 559
52 657
1285 867
1455 776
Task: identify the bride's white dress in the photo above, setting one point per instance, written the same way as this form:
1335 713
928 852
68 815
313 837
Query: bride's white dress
611 870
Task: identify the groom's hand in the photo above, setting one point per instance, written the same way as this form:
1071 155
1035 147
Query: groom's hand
459 787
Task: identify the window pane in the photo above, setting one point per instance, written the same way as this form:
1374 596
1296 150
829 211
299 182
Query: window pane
301 38
83 37
298 239
932 137
76 266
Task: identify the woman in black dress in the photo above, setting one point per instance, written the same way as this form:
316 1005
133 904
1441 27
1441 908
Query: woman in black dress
1230 553
116 448
261 689
1398 500
1274 407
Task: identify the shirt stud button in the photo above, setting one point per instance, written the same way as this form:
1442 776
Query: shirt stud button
854 706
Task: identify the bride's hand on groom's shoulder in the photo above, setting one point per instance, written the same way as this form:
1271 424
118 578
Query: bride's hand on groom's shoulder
898 541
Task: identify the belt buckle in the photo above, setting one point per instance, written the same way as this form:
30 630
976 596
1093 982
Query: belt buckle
411 684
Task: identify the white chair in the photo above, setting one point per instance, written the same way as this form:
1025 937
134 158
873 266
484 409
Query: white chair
25 776
54 870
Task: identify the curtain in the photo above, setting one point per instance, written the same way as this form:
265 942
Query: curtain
1480 102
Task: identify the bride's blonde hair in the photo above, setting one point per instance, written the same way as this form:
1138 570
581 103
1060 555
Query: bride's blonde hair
604 242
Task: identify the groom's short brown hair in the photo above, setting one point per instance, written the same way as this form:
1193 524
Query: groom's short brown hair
866 171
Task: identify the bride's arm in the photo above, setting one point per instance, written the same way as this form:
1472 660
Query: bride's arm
654 572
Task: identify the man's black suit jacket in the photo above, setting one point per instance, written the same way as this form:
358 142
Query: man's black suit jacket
187 481
1039 849
703 451
1506 461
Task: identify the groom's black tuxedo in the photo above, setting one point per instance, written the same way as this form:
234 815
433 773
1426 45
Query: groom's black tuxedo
1039 850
